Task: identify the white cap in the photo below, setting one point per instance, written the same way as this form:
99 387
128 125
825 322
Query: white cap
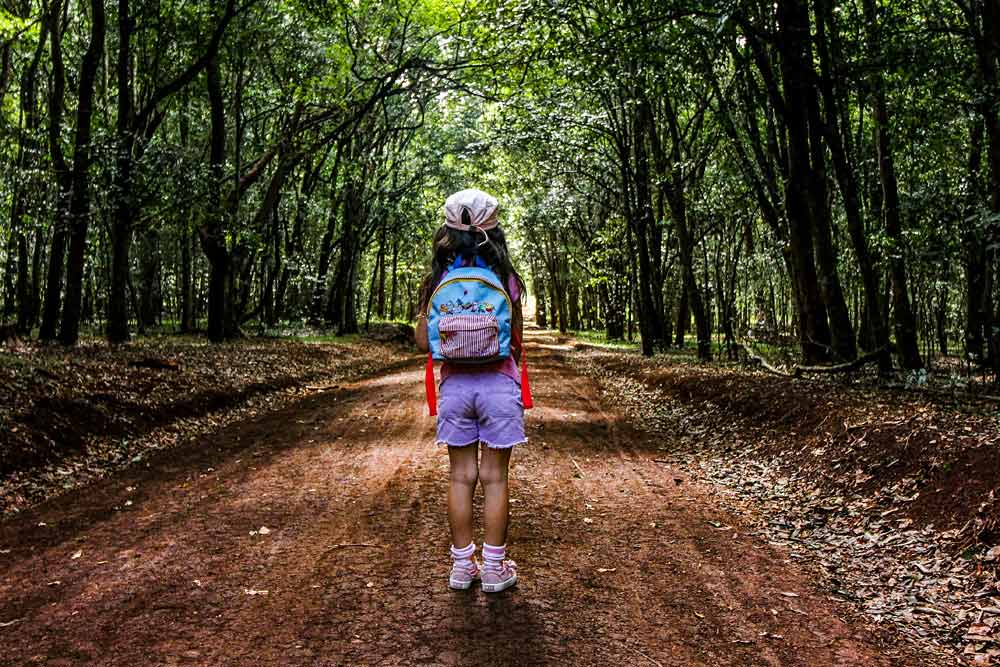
482 210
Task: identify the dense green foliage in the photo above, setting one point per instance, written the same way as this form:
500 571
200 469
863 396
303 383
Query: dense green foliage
819 171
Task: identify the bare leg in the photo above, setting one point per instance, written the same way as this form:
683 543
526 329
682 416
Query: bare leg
493 473
464 473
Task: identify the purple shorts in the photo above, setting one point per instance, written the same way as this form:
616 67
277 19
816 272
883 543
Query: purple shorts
481 407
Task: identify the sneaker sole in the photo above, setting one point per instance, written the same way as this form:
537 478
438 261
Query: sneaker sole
502 586
456 585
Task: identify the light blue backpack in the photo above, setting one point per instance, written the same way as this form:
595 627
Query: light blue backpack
469 322
469 316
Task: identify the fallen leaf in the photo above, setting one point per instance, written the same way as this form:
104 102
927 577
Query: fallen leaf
76 554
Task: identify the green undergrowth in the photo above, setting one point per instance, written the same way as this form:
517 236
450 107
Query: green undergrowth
600 339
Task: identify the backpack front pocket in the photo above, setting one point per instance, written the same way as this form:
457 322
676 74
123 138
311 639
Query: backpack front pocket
470 337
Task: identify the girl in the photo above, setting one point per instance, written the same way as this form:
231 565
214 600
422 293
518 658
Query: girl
477 404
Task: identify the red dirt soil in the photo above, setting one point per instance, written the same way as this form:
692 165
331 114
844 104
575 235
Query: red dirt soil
850 439
624 561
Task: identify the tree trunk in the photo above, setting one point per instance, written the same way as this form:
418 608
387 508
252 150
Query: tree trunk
28 152
60 230
842 338
150 266
975 257
541 310
187 280
839 140
814 331
649 324
326 244
121 217
395 268
990 110
380 265
683 317
904 323
212 232
187 240
573 302
80 203
340 312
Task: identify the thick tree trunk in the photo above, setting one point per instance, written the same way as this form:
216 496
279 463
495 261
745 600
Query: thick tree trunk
187 241
212 232
814 331
121 216
80 204
340 312
842 337
975 257
990 110
650 324
573 302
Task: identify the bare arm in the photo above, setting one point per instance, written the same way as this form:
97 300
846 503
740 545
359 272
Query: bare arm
420 332
517 326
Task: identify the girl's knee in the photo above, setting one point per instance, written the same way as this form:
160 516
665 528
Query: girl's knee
467 474
493 471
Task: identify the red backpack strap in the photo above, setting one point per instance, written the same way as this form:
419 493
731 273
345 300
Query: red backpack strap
525 385
429 385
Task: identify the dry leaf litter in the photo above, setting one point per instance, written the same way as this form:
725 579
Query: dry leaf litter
828 495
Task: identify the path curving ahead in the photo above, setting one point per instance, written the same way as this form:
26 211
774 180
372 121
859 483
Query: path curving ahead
619 560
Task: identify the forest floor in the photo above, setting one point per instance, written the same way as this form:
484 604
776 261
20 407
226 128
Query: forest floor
891 494
69 417
315 534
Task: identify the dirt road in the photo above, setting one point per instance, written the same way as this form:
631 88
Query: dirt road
317 536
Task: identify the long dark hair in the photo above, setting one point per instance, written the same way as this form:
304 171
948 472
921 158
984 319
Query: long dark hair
450 243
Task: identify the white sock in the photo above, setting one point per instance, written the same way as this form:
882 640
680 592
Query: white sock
463 555
494 555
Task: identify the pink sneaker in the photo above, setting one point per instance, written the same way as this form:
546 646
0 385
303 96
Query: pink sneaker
463 574
499 576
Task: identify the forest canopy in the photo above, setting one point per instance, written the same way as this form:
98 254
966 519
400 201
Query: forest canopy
820 174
